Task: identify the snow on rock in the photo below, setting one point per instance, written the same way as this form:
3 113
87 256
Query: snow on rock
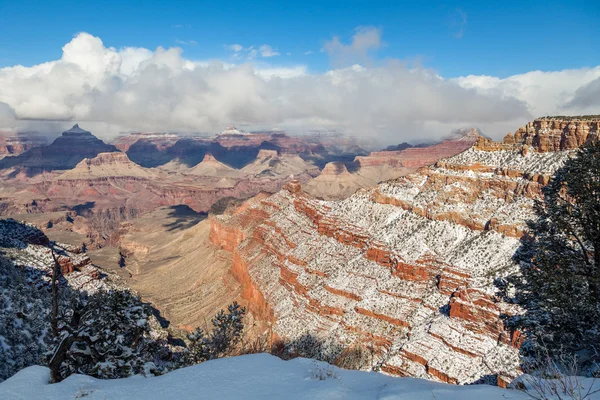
26 265
258 376
404 270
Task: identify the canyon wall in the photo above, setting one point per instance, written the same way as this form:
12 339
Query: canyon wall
405 269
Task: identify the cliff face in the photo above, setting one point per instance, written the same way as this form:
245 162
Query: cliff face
29 248
405 268
15 144
548 135
335 182
416 157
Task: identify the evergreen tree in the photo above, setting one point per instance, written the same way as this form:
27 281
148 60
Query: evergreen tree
560 261
104 335
226 334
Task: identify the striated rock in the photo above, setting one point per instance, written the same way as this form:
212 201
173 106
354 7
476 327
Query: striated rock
405 269
416 157
547 134
335 181
113 164
160 140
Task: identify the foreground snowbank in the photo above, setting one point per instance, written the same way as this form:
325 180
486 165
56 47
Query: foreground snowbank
258 376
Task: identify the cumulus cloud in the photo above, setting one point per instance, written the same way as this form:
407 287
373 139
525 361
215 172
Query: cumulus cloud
7 117
586 98
365 40
545 93
138 89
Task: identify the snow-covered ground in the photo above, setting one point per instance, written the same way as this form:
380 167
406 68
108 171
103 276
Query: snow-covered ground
258 376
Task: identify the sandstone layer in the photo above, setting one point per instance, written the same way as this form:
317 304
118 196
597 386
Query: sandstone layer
404 270
335 181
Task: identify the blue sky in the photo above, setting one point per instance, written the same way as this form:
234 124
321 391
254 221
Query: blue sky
392 70
454 38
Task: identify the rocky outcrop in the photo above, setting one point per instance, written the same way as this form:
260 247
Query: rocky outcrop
335 169
160 140
115 164
13 144
405 269
27 246
416 157
335 181
548 134
64 153
210 166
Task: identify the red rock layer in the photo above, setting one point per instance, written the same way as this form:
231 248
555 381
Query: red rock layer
547 134
416 157
474 311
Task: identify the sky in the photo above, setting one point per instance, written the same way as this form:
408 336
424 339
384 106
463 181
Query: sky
387 69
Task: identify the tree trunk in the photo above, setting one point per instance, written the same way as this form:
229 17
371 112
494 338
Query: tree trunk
55 276
60 353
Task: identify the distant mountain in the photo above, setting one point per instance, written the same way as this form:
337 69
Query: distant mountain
64 153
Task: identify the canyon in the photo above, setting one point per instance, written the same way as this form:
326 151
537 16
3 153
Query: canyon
406 269
391 257
336 182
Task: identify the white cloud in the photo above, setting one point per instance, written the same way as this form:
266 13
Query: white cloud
138 89
186 42
7 117
545 93
267 51
365 40
240 52
234 47
307 53
586 98
281 72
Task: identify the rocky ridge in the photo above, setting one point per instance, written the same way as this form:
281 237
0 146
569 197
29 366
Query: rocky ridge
406 268
336 183
64 153
25 246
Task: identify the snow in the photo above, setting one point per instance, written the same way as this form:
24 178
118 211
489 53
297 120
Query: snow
258 376
533 162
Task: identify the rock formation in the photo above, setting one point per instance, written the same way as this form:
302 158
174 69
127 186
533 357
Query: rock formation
404 270
28 247
547 135
269 163
334 183
210 166
14 144
64 153
114 164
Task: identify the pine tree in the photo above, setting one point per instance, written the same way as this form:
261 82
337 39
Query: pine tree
226 334
560 260
104 336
